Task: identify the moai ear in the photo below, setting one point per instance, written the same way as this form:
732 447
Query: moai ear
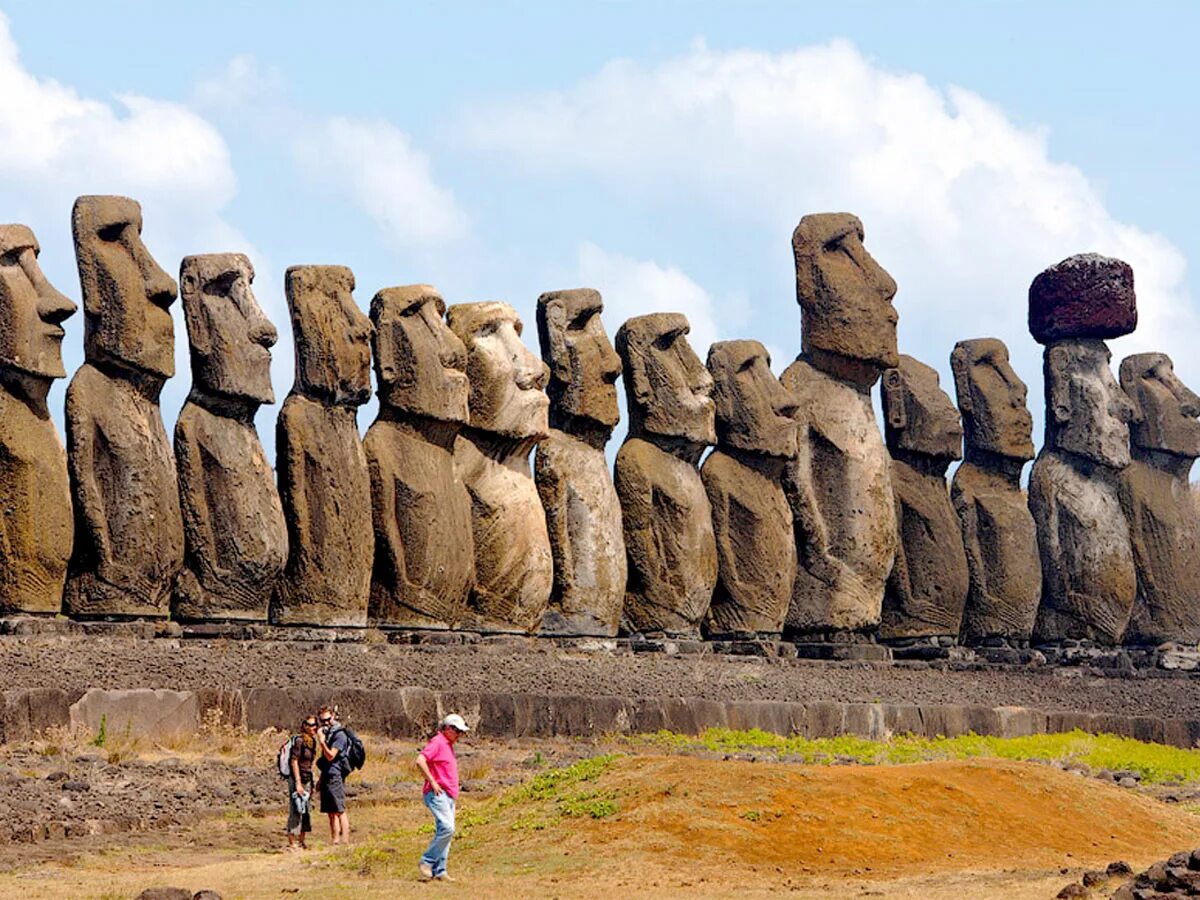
893 399
195 312
1059 388
555 353
960 366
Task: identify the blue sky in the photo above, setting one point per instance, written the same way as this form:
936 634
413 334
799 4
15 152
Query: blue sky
661 152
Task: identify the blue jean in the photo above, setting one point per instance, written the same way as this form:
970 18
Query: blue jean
442 807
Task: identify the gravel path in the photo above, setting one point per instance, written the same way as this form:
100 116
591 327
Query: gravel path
80 663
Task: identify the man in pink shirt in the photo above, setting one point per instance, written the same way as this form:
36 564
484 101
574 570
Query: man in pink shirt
439 765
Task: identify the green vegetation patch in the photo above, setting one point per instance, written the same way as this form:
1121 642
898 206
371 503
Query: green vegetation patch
1154 763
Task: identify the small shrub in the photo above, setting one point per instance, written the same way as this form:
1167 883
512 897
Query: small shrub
751 815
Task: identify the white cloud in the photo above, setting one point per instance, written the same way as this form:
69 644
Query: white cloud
376 165
962 205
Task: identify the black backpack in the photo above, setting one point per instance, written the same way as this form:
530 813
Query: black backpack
356 753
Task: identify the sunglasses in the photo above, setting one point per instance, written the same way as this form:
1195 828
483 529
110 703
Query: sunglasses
310 724
326 721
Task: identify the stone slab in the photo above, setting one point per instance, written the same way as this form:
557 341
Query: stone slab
142 712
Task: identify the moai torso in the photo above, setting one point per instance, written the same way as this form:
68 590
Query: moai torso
1088 577
508 416
999 535
232 516
752 519
928 585
35 495
667 519
840 483
583 513
1164 521
322 469
424 549
129 539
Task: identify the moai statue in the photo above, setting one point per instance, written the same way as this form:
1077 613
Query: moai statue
1088 576
320 463
998 531
928 586
232 518
752 519
1164 523
583 513
840 482
129 539
35 494
424 551
665 510
514 567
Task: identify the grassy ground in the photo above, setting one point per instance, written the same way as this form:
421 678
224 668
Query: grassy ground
659 815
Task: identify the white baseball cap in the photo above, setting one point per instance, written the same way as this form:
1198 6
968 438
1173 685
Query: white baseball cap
455 721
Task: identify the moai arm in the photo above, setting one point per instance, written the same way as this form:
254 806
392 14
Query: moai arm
293 481
968 515
1138 529
389 542
812 536
899 580
197 515
552 488
637 515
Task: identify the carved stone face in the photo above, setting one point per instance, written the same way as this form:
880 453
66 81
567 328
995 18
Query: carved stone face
919 417
1168 410
332 336
992 399
230 336
508 382
754 411
420 363
583 365
1087 412
668 389
127 297
845 296
31 310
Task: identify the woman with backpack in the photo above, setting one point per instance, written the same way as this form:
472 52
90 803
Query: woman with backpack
333 765
302 751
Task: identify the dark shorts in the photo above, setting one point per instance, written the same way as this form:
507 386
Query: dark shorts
333 791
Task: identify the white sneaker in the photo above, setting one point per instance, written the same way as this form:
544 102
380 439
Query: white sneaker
426 869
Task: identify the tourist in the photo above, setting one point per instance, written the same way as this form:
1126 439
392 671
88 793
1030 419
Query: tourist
333 766
439 765
300 783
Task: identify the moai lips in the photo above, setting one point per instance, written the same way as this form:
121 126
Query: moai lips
324 483
1164 522
424 550
583 512
129 540
508 416
666 514
1084 296
927 589
998 530
752 520
35 496
840 483
236 537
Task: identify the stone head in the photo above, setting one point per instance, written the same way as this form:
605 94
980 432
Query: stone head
992 399
754 410
230 336
508 382
1087 413
331 334
668 389
127 297
583 365
918 415
420 364
1167 411
845 296
31 310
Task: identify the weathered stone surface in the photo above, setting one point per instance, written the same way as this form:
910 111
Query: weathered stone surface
141 712
1088 576
583 514
998 531
666 515
424 550
752 520
514 567
320 463
35 494
236 538
1164 521
1084 296
927 589
129 539
840 483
